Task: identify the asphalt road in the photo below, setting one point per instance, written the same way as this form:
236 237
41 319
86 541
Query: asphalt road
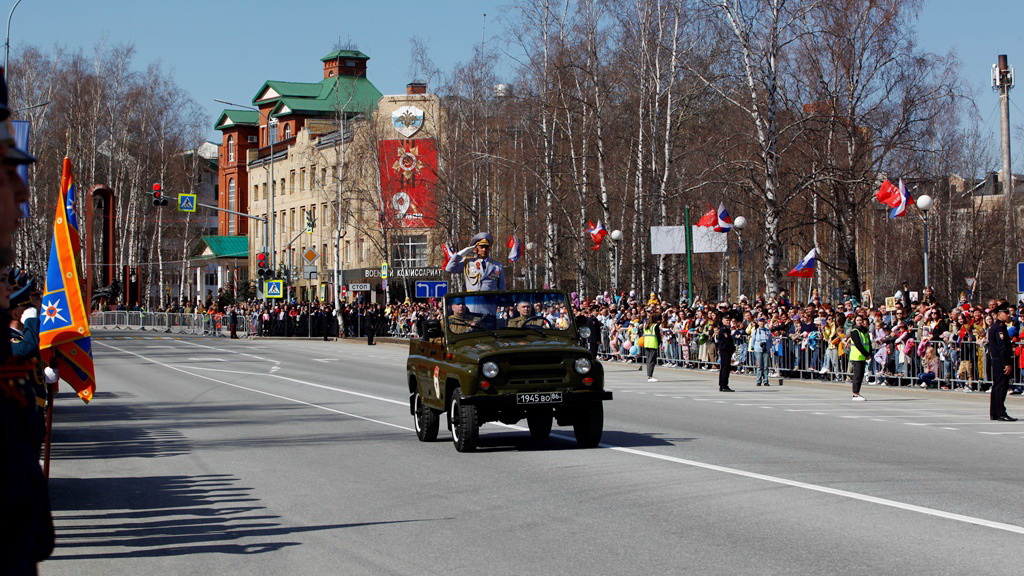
214 456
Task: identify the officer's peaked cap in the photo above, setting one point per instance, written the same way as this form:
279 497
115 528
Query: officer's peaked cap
483 238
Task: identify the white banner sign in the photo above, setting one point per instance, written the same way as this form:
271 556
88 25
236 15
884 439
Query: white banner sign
672 240
359 287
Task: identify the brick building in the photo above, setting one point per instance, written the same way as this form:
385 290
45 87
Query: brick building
317 151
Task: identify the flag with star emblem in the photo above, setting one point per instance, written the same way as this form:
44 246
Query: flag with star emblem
64 338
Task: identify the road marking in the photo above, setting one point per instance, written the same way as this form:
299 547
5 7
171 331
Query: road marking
652 455
278 396
207 359
949 428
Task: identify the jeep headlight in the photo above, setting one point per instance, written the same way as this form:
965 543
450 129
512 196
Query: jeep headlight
582 365
490 369
584 332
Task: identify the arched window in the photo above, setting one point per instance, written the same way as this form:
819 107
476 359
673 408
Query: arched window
231 148
231 206
287 131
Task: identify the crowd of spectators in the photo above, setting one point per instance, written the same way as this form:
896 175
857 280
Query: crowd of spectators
914 342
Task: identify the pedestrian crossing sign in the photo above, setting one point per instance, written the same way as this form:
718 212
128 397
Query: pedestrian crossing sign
186 202
274 288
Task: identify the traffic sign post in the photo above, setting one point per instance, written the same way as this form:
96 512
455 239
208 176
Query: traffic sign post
187 202
431 289
274 288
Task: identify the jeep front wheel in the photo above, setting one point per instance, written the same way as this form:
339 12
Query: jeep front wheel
464 423
589 424
426 419
539 422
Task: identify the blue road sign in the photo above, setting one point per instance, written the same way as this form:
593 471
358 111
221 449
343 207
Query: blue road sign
186 202
431 289
1020 276
274 288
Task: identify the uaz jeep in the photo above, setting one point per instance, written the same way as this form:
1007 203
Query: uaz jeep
502 356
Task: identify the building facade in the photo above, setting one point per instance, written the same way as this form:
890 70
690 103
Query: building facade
344 177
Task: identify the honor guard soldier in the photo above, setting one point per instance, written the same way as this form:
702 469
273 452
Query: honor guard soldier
481 272
26 526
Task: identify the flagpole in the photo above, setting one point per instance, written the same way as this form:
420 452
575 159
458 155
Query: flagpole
689 259
49 422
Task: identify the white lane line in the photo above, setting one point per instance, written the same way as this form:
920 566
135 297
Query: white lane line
207 359
163 346
652 455
1001 433
949 428
278 396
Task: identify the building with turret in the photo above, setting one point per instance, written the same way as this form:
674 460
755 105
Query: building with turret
344 177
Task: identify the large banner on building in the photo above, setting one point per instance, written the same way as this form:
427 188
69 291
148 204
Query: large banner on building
408 176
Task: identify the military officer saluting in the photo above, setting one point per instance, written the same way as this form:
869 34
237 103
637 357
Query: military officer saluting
475 263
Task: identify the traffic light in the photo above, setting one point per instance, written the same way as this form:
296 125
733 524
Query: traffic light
158 195
310 222
262 265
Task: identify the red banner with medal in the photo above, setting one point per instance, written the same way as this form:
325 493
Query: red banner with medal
408 176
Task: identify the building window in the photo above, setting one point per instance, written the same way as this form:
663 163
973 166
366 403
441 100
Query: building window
348 251
287 131
231 148
255 192
361 249
272 130
409 251
302 179
231 206
291 182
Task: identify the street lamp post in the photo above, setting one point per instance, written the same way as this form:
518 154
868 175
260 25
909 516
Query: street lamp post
924 203
616 237
739 224
7 44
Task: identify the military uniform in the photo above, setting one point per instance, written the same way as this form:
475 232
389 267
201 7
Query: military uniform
520 321
462 324
26 525
480 273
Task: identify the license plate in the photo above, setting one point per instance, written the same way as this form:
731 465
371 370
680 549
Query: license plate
541 398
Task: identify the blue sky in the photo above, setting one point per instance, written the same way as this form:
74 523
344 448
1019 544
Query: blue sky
227 50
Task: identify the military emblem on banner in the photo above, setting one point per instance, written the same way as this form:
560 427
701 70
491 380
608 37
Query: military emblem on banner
407 120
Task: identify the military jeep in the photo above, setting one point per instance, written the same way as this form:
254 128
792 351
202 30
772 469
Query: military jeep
502 356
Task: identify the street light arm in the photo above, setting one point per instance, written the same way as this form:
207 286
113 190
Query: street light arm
7 43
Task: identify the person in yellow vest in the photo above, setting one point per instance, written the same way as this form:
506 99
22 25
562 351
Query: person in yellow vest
860 351
651 333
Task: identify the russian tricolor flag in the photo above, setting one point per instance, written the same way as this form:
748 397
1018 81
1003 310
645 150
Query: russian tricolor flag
515 248
903 199
724 223
805 269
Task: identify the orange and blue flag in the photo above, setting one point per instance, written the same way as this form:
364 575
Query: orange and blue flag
64 337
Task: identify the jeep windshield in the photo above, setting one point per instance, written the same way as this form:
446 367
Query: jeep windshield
520 311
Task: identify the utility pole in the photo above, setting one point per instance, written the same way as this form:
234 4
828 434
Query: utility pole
1002 82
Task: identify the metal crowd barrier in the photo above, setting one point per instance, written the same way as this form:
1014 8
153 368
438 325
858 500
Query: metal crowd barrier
171 323
961 365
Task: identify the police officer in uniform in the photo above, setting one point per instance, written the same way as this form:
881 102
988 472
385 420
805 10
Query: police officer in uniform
726 346
475 263
26 525
1000 353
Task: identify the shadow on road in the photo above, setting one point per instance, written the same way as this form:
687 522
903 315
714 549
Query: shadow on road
154 516
563 439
